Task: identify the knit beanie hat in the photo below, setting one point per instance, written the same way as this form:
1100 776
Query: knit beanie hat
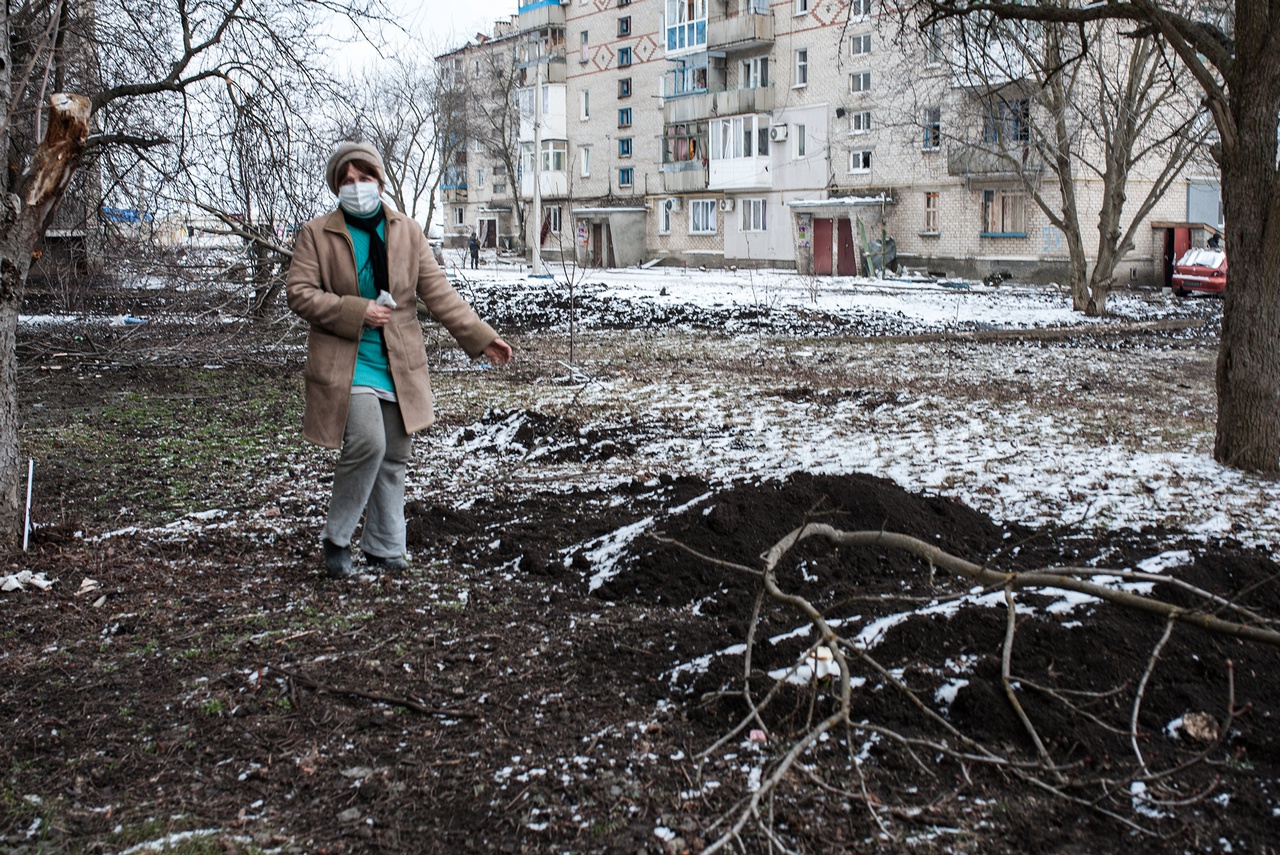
347 152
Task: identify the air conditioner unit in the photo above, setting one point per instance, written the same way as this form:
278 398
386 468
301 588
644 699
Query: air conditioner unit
778 133
672 204
726 204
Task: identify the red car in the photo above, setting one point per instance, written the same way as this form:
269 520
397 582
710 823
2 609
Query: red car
1200 269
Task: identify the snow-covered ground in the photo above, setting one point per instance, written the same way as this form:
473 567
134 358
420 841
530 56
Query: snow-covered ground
1114 432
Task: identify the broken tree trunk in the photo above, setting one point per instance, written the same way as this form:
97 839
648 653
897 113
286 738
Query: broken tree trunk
27 210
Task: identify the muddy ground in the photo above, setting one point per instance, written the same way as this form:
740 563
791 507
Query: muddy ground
538 682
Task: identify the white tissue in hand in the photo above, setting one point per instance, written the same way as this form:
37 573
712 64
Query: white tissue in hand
385 299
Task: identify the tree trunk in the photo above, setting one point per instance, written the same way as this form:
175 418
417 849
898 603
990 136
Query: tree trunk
24 218
1248 372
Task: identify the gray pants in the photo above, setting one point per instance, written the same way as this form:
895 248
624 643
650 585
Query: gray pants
369 478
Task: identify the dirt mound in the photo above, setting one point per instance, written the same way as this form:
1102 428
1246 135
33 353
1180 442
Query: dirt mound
741 522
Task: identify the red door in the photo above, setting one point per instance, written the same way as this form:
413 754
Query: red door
846 254
821 247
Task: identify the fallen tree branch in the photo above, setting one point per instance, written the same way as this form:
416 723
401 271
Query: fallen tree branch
1018 581
416 706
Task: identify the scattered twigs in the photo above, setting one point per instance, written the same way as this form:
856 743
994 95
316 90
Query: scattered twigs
1006 659
1020 581
416 706
1142 687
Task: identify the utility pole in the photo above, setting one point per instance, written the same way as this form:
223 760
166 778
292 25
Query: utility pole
537 165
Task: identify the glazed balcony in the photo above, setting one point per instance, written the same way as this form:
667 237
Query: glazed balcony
745 31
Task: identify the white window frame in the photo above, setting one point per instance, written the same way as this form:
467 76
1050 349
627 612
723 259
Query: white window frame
459 215
1004 213
860 161
859 9
754 215
664 218
584 111
860 45
859 122
630 173
479 177
935 47
802 142
754 73
554 155
801 68
932 204
859 82
730 138
554 212
702 212
801 8
584 160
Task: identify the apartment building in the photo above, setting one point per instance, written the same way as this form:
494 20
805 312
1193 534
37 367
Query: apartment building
791 133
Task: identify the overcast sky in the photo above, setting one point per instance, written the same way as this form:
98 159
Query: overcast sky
441 25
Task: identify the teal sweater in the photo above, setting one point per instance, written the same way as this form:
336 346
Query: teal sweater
372 367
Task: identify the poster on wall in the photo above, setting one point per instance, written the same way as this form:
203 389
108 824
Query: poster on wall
804 230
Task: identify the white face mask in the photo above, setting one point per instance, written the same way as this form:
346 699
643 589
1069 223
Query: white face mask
361 198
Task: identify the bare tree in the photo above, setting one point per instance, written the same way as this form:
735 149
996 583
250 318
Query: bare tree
1232 49
136 67
1073 104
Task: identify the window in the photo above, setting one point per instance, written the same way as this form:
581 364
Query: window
457 216
624 57
624 26
860 45
553 155
585 107
499 169
553 214
586 52
860 9
755 73
1003 213
479 177
584 159
624 2
499 187
801 7
625 176
753 215
664 217
686 24
624 87
860 161
624 147
1007 121
801 141
860 82
702 217
934 46
931 213
739 136
932 121
624 117
860 122
684 142
802 67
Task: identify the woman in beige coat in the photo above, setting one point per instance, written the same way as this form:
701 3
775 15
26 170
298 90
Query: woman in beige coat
356 276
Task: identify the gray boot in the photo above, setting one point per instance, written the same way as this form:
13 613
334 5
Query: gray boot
337 560
392 564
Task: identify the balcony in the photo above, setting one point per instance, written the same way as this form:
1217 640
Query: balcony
554 69
745 31
540 14
729 102
992 159
687 177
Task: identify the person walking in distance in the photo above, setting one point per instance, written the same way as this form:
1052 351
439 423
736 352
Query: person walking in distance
356 276
474 247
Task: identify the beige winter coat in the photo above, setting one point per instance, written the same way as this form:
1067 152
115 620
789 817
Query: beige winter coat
322 289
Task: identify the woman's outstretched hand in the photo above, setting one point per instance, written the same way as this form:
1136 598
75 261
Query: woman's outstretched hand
498 351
